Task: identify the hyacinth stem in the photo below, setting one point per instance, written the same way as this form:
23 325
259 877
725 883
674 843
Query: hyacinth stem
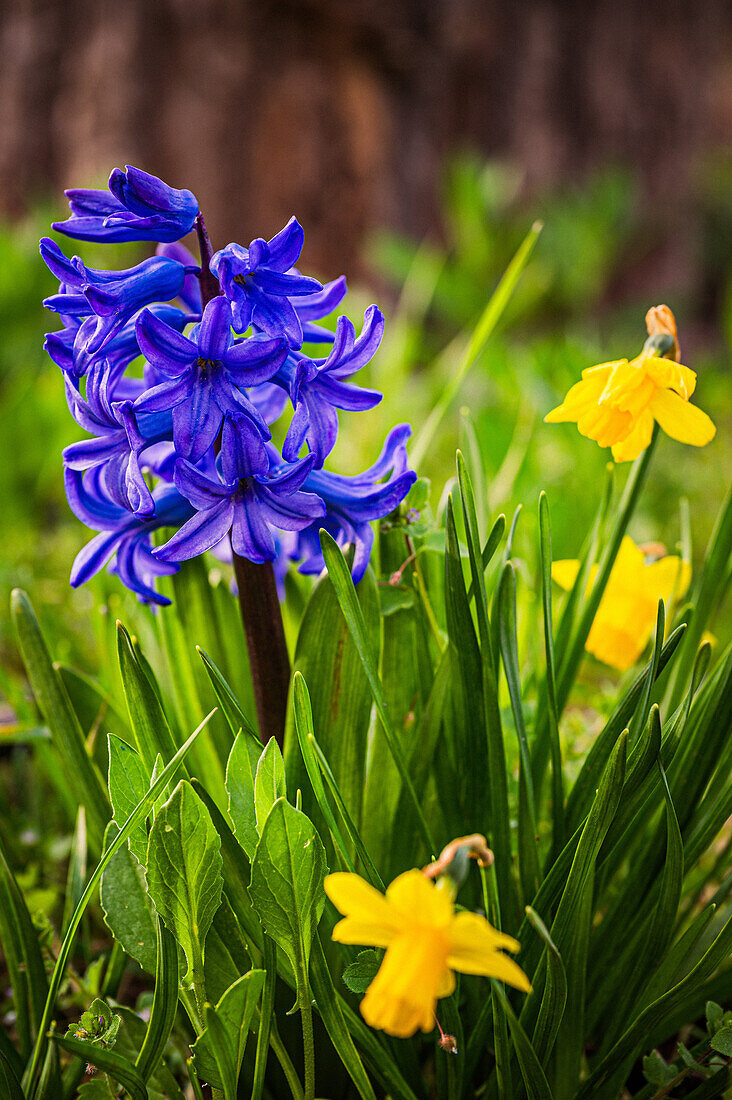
269 661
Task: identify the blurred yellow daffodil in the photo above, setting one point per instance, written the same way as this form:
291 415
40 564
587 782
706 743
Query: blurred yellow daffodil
617 403
425 941
627 613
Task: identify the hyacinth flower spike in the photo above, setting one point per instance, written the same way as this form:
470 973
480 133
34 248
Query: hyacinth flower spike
314 307
204 373
259 283
319 387
248 506
137 207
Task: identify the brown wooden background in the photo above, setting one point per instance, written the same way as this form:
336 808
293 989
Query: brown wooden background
344 111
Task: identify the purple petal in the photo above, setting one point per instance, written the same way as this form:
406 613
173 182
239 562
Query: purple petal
196 422
199 534
166 396
283 286
285 247
311 307
251 536
200 490
242 450
345 396
214 332
166 349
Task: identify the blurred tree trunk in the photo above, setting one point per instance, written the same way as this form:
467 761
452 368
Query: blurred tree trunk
343 112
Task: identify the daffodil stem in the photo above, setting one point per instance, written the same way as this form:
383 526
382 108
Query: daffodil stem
269 661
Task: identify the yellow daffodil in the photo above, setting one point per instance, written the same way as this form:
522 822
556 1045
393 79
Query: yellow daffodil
627 613
425 941
617 403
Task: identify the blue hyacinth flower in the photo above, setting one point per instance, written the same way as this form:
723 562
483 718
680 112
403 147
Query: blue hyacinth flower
353 503
319 387
121 533
137 207
259 283
250 507
203 374
313 307
68 347
118 437
113 296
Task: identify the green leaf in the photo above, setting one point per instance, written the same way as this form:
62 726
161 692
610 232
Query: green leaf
328 1006
721 1041
53 701
328 658
228 953
138 814
147 717
266 1018
554 996
359 974
714 1015
9 1084
535 1082
23 958
128 783
269 782
161 1085
184 872
228 702
545 552
116 1065
164 1006
348 600
488 320
656 1071
286 886
126 906
219 1050
240 774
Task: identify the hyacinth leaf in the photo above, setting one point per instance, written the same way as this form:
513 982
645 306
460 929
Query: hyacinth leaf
164 1005
330 1012
219 1050
184 873
269 782
126 905
53 702
640 716
226 699
240 776
149 724
286 887
9 1083
109 1061
489 548
347 598
23 958
327 657
486 324
128 783
569 1044
304 727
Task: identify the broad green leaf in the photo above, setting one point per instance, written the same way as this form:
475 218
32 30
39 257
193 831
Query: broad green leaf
240 775
218 1062
345 590
286 886
128 783
359 974
269 782
127 910
327 657
721 1041
184 872
53 702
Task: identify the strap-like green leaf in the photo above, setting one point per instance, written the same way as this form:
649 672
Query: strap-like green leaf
117 1066
164 1006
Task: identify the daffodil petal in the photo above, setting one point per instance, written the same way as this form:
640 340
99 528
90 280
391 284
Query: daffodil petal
565 571
668 576
475 949
669 375
680 420
361 904
403 995
639 438
583 396
418 900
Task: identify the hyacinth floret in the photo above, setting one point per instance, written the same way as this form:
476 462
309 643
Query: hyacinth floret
179 371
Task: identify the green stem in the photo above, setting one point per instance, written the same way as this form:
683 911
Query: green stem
500 1024
308 1038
